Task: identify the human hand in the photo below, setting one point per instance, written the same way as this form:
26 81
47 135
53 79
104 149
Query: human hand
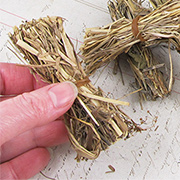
29 122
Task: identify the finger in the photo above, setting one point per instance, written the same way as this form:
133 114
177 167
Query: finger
34 109
26 165
16 79
48 135
5 97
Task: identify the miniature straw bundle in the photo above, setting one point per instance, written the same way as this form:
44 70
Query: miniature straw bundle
102 45
93 122
144 66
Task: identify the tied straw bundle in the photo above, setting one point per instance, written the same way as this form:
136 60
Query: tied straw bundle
103 44
93 122
145 67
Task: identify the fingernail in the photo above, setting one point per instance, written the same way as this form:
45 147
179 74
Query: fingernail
63 94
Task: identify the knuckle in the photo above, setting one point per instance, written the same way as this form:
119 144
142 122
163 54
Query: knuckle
33 105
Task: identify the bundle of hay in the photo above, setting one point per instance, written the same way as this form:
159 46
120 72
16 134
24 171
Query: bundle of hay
93 122
104 44
146 69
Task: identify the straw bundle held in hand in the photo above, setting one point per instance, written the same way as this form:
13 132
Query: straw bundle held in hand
144 66
101 45
93 122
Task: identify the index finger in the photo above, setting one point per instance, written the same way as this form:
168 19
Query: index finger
16 79
35 109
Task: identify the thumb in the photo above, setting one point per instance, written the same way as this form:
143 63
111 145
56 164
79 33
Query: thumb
36 108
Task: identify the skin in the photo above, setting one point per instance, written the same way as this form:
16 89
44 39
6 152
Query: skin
30 120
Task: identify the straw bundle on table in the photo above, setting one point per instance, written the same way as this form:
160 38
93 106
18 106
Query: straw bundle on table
145 67
103 44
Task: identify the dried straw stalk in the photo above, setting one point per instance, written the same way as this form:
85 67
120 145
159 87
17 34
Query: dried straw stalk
93 122
104 44
157 3
145 67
